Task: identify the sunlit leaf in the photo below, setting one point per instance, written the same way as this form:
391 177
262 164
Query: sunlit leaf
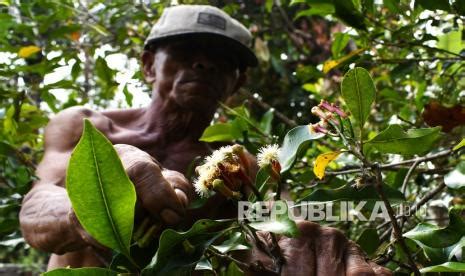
86 271
235 242
456 178
28 51
452 41
459 145
261 50
445 267
221 132
322 161
433 236
101 193
294 141
339 43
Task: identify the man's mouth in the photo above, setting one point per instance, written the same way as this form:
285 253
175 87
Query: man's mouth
202 82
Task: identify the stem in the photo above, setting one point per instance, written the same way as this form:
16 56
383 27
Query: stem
394 165
408 175
266 106
274 252
419 204
397 231
227 257
278 190
248 181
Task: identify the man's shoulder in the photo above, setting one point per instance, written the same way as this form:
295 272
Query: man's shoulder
65 128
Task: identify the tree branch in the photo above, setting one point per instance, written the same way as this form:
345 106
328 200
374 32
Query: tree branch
398 164
397 230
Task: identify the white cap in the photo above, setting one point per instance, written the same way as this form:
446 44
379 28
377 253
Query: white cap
202 21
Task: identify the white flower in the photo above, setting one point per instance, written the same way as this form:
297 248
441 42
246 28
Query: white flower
201 187
267 154
210 170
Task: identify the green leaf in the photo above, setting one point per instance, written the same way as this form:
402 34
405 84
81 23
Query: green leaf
369 240
235 242
204 264
434 5
282 224
127 95
358 91
180 251
392 5
6 149
339 43
347 12
233 270
459 145
294 141
452 41
104 72
261 182
100 29
348 192
265 122
455 178
432 236
395 140
218 132
445 267
457 248
87 271
5 2
101 193
317 7
459 7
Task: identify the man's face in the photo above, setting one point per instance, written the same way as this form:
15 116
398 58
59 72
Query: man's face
195 73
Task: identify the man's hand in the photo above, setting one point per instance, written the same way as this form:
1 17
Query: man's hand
320 251
165 194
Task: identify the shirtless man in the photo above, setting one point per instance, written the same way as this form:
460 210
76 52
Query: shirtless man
195 56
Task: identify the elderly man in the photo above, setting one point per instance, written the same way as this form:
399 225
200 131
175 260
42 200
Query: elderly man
194 57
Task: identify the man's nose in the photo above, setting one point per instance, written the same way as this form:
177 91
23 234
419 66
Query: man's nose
204 63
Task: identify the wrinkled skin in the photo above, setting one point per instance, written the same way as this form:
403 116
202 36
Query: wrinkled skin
156 144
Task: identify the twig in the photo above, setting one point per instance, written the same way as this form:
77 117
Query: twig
227 257
404 60
264 105
408 175
275 251
397 230
394 165
419 204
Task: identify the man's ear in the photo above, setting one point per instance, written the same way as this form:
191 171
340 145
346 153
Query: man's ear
147 66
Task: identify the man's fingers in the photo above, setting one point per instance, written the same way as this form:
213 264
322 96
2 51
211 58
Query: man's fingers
356 264
330 251
154 191
379 270
183 189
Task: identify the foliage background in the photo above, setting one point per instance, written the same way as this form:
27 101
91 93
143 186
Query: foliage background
414 51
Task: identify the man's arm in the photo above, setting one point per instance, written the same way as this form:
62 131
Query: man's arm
46 213
47 219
